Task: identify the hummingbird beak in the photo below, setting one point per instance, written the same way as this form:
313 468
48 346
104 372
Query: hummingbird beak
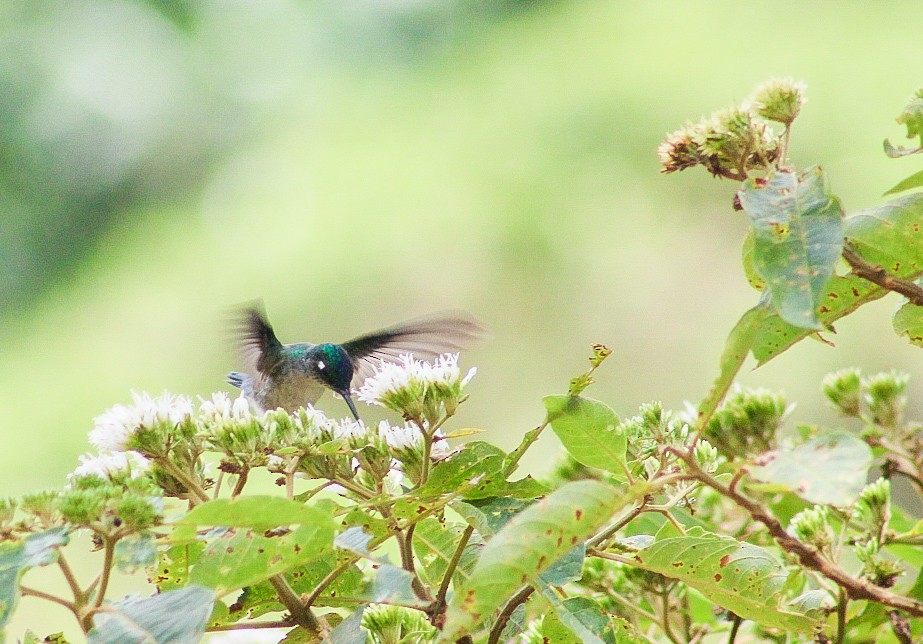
349 401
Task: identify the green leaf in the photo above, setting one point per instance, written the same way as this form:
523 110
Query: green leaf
527 546
736 348
588 430
241 557
38 549
830 469
736 575
478 466
175 565
257 512
350 630
489 515
178 616
392 585
908 322
888 235
913 181
797 231
136 551
578 620
435 543
815 603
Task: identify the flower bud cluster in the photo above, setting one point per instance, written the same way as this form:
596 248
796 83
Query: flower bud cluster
747 422
397 624
812 526
423 392
109 506
878 569
873 507
843 388
878 399
732 142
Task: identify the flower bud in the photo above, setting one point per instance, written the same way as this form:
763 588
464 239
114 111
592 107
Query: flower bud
843 388
779 100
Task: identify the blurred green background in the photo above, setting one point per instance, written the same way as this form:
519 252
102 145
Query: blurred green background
357 163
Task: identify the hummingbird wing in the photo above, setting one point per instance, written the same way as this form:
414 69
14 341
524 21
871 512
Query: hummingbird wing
426 337
260 348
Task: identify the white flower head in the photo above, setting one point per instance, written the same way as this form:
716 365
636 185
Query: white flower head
416 388
107 465
221 407
115 426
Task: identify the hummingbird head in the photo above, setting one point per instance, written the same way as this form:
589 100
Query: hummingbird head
330 364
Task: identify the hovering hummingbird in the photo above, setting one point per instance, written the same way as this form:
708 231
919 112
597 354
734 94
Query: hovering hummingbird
293 375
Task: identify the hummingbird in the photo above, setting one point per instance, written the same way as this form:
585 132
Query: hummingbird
293 375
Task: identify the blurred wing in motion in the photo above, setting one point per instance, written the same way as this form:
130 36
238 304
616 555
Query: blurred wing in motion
259 346
425 337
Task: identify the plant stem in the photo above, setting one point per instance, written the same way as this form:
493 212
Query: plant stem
809 556
516 455
79 595
197 494
31 592
519 598
301 614
241 482
329 579
878 275
281 623
453 564
734 628
108 552
665 616
843 600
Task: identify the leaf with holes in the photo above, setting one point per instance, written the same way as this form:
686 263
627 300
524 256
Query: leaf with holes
588 429
908 322
528 545
830 469
797 230
888 235
477 468
435 543
738 576
242 557
257 512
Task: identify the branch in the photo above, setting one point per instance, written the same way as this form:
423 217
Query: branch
462 544
507 612
31 592
809 556
300 613
878 275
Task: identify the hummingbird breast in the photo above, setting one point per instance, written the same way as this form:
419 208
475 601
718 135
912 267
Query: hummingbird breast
289 390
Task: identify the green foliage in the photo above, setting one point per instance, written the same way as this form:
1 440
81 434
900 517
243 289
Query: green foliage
797 238
830 469
177 616
660 527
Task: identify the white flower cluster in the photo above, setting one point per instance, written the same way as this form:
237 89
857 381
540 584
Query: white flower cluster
409 436
408 385
111 464
221 407
115 426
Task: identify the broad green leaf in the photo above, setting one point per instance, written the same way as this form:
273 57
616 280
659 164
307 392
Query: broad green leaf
242 557
261 598
908 322
797 231
435 543
355 540
588 430
736 575
391 585
178 616
829 470
477 467
813 602
175 565
135 551
736 348
888 235
257 512
350 630
527 546
489 515
578 620
757 282
38 549
913 181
